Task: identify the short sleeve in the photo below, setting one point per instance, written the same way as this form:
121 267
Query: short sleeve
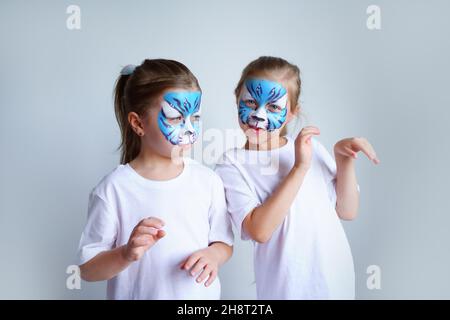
100 231
219 220
240 198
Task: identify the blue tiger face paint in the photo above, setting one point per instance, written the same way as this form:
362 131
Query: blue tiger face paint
263 104
179 118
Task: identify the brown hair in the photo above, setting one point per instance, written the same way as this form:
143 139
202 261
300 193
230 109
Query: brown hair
279 67
137 91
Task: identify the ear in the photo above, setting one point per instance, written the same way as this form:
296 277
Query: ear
296 110
292 112
136 124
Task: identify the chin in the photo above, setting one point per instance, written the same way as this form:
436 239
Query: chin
255 136
177 151
185 147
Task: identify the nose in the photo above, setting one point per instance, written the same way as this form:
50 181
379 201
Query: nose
259 119
188 126
260 114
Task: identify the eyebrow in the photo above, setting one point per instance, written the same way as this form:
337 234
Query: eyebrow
274 97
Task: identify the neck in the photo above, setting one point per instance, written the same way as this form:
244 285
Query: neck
273 142
154 166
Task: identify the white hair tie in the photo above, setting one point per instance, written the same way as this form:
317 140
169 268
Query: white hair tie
128 69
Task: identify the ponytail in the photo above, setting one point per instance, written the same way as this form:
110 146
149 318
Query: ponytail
130 143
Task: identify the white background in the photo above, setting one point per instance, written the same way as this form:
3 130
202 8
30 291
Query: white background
59 135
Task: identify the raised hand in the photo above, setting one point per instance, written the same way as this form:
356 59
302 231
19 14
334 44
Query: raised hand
303 147
144 235
350 147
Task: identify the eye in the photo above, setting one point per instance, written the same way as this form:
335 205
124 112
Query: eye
175 120
274 108
195 117
250 103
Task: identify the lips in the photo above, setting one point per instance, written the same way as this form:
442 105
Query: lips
255 128
255 125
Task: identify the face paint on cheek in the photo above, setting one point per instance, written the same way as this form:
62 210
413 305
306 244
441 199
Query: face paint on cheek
179 118
263 104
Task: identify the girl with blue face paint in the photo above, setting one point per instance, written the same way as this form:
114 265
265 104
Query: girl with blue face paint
263 104
157 227
287 195
179 118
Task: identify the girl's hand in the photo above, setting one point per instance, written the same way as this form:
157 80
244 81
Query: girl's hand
303 147
204 264
348 149
144 235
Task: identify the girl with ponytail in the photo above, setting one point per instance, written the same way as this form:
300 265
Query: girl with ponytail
157 228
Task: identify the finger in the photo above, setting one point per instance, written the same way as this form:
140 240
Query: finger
199 265
306 133
190 262
372 152
211 278
307 137
308 130
350 153
367 149
152 222
204 275
140 241
140 230
160 234
311 128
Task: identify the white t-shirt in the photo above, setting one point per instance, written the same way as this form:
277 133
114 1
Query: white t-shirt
308 255
193 207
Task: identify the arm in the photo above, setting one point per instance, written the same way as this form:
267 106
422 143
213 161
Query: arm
105 265
347 194
262 221
108 264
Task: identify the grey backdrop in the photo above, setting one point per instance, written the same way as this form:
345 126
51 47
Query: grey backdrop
59 135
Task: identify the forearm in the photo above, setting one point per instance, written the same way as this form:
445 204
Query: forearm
222 251
347 194
263 220
105 265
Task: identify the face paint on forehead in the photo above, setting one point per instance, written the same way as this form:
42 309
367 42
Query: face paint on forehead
179 117
263 104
